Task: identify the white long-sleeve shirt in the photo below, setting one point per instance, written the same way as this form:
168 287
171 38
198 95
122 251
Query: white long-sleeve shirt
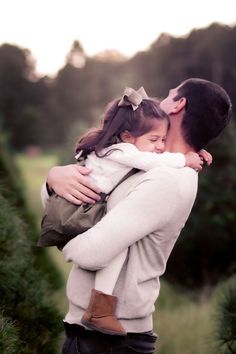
109 170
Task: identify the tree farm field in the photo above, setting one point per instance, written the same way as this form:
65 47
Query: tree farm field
183 321
34 169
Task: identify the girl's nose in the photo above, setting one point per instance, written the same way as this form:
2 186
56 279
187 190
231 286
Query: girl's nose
159 148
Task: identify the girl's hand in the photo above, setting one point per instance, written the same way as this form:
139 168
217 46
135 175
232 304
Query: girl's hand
72 183
206 156
193 160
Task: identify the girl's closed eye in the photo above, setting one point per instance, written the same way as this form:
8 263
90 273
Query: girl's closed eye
164 139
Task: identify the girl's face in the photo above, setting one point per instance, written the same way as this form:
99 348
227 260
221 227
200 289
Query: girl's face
152 141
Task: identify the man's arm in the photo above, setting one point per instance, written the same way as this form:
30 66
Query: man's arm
72 183
148 208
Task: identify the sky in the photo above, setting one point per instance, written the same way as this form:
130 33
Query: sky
49 27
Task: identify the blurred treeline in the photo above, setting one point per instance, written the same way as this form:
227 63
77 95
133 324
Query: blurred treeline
46 111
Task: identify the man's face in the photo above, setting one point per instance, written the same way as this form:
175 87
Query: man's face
168 103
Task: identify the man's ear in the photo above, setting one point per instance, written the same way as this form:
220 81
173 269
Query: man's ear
126 137
180 104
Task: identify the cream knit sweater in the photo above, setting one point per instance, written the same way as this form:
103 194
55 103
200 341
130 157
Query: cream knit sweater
145 214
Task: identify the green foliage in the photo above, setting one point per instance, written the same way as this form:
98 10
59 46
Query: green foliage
205 53
23 292
12 187
28 316
79 95
226 318
9 338
21 99
9 177
183 322
208 242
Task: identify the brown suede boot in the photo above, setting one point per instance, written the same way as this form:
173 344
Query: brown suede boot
100 314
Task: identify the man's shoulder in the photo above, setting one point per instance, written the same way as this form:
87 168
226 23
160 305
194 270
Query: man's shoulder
171 183
181 179
165 174
170 172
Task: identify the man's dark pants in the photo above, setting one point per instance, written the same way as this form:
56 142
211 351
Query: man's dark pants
81 341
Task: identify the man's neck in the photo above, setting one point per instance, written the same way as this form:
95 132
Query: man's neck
175 141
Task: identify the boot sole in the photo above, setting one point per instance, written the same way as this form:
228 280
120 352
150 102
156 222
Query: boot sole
99 329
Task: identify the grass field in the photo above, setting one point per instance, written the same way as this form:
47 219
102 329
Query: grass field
184 326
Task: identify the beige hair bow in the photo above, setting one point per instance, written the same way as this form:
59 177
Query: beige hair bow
133 98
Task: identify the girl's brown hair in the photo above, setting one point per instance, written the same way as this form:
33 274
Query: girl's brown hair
118 119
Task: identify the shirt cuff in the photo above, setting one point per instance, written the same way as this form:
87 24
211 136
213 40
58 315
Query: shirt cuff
49 190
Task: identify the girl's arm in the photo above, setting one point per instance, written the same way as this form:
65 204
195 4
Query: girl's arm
129 155
196 160
206 156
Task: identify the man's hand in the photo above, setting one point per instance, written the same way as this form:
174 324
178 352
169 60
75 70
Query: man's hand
72 183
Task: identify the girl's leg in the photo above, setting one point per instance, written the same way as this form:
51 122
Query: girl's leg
106 278
100 314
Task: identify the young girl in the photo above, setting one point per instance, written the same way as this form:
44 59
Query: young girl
132 135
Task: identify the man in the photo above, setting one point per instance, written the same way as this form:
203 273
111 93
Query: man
145 214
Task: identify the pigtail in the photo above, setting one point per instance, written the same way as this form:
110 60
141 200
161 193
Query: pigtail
115 121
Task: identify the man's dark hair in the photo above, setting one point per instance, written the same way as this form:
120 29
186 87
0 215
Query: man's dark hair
207 112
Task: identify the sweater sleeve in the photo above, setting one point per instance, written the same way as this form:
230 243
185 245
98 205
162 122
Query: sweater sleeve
130 220
129 155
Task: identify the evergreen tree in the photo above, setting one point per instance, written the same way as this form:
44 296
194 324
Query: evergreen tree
29 321
226 319
205 251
